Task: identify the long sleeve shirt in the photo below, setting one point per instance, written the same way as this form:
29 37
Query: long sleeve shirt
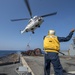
65 39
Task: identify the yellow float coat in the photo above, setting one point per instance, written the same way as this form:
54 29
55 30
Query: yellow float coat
51 44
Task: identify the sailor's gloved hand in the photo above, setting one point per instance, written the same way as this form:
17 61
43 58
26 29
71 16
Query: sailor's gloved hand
73 30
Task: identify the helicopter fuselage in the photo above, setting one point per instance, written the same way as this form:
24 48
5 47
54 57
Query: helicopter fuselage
34 23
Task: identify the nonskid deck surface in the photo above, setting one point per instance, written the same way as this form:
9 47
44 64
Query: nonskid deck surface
36 63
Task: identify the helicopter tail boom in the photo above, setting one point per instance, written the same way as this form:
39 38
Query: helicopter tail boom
22 31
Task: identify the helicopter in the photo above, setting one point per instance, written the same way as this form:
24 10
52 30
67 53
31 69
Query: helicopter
34 22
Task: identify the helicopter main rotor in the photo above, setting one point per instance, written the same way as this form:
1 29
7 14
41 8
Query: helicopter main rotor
30 12
28 6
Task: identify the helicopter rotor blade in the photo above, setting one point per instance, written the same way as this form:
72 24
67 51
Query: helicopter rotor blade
49 14
28 6
20 19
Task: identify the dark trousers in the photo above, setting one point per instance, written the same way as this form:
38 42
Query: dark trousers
53 58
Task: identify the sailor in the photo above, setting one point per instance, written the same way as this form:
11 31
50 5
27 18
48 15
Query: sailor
51 44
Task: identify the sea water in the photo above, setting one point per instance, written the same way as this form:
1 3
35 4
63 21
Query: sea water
7 52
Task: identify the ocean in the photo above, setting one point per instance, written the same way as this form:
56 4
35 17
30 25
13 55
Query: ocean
7 52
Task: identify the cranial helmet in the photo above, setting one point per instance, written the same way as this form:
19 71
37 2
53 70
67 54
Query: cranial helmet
51 32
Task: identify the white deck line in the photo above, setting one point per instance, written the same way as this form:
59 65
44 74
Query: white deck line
25 64
72 72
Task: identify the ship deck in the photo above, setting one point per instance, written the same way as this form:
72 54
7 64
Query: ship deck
36 64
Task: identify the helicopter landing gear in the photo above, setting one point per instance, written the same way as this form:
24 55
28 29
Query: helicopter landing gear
26 30
33 32
39 26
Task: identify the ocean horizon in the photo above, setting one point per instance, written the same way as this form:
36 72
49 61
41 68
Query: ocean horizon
7 52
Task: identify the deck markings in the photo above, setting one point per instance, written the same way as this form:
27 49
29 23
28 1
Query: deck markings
72 72
25 64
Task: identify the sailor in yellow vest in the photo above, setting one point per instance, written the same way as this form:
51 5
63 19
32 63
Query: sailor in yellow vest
51 47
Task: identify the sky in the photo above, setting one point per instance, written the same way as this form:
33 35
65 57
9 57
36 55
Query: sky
11 38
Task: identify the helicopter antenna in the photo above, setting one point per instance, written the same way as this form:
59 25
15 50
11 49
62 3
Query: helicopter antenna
28 6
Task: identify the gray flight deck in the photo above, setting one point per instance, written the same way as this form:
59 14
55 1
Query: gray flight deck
36 63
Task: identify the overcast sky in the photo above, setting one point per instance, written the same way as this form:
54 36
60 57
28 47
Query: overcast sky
62 23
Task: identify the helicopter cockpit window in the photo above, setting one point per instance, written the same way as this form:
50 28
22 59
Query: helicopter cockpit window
35 17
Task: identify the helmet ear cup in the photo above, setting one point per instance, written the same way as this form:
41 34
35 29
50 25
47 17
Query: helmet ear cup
51 32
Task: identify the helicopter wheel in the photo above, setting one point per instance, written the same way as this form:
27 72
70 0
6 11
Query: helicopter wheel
26 30
39 26
33 32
